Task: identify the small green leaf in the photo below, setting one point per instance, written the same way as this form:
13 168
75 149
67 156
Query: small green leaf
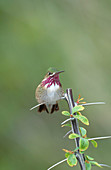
89 158
76 149
88 165
94 143
67 154
82 118
73 136
95 163
69 125
83 144
66 113
77 108
82 131
71 160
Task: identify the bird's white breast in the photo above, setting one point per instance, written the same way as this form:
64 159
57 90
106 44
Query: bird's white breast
52 94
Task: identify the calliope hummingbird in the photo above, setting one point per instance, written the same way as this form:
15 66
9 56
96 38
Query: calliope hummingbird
49 91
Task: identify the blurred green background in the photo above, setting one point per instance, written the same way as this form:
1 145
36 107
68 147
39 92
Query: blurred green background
71 35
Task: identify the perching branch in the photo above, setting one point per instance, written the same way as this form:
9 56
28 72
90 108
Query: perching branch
81 139
75 127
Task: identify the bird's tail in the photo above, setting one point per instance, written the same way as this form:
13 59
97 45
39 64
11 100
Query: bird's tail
43 107
55 107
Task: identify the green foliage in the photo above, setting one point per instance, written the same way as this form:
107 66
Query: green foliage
83 140
94 143
67 154
83 144
88 165
95 163
90 161
73 136
89 158
76 149
82 131
71 160
82 118
65 113
77 108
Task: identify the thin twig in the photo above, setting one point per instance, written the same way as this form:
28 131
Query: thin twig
87 104
57 164
71 118
104 137
67 133
105 165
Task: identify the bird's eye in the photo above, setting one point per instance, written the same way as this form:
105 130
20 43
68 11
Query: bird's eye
49 73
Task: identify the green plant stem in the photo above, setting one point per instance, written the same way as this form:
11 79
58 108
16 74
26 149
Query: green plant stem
75 127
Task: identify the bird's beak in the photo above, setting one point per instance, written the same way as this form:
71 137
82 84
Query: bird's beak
58 72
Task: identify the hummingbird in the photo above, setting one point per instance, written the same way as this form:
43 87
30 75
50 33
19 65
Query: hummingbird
49 91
